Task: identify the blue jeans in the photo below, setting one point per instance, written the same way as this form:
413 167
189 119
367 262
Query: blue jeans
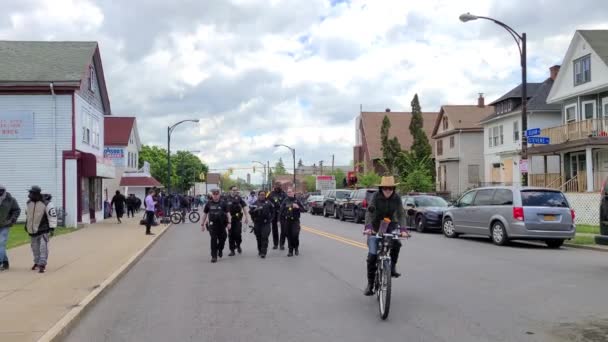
3 239
372 245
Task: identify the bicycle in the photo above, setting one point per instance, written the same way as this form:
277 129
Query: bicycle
179 216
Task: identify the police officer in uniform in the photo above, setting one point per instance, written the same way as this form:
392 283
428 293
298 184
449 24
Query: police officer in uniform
277 196
290 215
217 219
262 213
238 208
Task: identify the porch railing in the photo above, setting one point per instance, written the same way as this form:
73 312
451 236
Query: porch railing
576 130
576 184
546 180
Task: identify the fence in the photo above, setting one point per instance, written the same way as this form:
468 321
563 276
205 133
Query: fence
586 206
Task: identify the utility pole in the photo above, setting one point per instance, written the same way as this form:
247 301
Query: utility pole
321 166
332 164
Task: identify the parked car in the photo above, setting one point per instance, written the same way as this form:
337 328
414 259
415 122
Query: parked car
333 199
427 211
315 204
512 213
356 207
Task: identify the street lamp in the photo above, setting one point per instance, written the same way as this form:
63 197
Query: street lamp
169 131
264 177
293 153
520 40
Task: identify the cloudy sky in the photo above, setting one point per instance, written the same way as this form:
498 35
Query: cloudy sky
260 72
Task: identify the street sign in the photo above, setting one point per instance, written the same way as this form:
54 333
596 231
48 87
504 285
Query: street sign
538 140
533 132
523 165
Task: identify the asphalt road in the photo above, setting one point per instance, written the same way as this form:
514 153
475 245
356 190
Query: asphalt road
462 289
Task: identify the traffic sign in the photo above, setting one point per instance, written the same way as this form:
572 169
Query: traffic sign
533 132
538 140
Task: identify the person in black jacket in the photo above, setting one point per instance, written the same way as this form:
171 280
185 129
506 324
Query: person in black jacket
290 215
276 197
40 222
118 201
9 213
217 220
131 205
262 213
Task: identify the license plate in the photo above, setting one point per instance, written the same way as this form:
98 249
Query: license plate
550 218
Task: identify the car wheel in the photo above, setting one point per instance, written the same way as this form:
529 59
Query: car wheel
336 216
554 243
420 224
357 216
499 234
341 215
449 229
325 213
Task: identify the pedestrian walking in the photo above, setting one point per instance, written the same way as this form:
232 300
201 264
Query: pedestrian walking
9 213
131 205
238 209
290 212
262 213
252 198
216 219
40 222
277 196
150 211
118 201
137 204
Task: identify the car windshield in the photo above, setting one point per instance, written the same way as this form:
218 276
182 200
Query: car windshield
543 198
430 201
315 198
342 194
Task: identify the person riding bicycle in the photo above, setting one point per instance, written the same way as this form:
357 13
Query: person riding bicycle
385 204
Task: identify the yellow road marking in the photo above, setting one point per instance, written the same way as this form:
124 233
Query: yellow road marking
335 237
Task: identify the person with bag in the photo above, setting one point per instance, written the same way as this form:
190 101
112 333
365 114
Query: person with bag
9 213
217 219
40 222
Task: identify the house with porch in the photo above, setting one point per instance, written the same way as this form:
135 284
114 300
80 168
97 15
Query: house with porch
457 136
502 129
579 142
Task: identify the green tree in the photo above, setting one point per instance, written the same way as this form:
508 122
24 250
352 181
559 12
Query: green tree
368 179
185 167
414 173
279 168
300 163
339 175
311 183
226 182
390 147
157 157
420 146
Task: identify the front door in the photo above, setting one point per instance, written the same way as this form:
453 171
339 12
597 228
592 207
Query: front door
495 177
508 167
578 167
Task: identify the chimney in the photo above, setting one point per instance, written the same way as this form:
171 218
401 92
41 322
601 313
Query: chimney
481 101
553 71
388 110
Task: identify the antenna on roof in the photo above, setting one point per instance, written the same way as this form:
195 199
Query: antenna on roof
360 108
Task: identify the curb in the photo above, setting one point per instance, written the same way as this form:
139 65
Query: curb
67 322
587 247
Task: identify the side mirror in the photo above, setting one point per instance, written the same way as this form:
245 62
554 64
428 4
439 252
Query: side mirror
410 205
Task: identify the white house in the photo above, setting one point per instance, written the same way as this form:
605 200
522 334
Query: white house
502 130
53 100
580 139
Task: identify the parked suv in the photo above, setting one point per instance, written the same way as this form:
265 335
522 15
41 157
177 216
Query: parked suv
356 206
512 213
332 201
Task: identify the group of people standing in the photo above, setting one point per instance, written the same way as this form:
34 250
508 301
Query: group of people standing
119 202
223 218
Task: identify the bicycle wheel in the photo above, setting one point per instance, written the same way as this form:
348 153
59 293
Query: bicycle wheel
384 293
176 218
194 217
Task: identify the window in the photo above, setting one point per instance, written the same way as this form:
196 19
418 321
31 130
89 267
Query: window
439 147
543 198
484 197
582 70
509 106
445 123
466 199
452 142
588 110
473 174
94 124
571 113
490 137
502 140
86 128
92 79
503 197
515 131
495 136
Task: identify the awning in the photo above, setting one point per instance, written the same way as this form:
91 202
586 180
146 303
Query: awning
145 182
93 166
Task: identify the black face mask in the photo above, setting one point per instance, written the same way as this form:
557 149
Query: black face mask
2 191
34 197
277 189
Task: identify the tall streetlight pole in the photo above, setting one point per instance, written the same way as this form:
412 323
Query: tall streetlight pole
169 131
293 153
264 176
520 40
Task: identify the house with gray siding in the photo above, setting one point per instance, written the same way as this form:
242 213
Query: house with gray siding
53 100
457 138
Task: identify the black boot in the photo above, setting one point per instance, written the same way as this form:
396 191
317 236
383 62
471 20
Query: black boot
371 274
394 258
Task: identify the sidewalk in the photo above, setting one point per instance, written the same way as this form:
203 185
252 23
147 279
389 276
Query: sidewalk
79 262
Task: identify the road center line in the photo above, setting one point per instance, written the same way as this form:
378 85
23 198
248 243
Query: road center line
335 237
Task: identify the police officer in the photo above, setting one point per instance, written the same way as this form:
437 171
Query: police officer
276 198
290 214
262 213
238 209
217 219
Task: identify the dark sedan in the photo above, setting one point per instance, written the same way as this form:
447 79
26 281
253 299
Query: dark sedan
426 211
315 204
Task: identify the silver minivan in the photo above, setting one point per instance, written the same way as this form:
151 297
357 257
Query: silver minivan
512 213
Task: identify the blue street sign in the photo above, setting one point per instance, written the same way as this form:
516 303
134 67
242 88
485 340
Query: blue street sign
533 132
538 140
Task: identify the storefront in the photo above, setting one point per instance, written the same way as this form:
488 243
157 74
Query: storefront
93 170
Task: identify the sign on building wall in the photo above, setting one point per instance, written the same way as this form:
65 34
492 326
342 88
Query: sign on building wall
115 154
16 125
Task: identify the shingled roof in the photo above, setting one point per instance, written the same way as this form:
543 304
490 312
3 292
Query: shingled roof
117 130
465 117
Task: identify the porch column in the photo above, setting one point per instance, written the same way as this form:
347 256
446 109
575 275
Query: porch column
562 168
589 166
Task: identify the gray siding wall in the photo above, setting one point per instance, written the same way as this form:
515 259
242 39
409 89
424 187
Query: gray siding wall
37 161
471 154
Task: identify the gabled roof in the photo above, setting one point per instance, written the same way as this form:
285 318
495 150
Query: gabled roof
400 123
142 181
537 99
44 61
462 116
117 130
598 40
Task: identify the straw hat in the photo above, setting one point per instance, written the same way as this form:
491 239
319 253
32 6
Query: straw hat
387 182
